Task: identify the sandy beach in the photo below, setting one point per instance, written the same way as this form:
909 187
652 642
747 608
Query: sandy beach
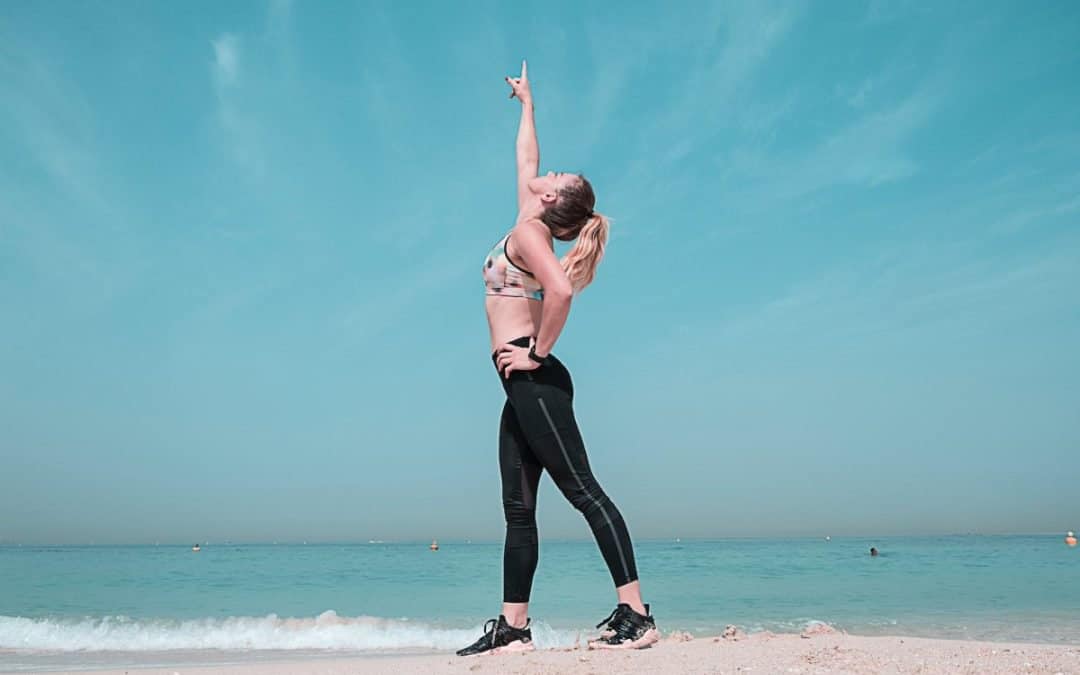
821 652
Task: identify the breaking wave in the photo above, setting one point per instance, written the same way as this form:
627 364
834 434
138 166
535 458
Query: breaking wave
325 631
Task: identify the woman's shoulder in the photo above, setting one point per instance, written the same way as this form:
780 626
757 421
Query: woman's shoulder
529 234
529 225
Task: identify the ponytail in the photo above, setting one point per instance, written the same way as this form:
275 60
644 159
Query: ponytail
581 261
573 217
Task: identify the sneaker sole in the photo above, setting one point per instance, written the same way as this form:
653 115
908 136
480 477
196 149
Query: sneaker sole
517 646
650 637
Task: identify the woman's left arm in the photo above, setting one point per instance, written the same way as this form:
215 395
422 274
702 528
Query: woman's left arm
531 242
533 246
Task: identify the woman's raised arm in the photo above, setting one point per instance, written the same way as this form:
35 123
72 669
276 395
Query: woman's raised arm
528 150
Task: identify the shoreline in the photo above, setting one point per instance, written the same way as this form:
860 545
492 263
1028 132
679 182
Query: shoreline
820 649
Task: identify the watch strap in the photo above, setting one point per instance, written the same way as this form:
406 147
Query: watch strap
542 360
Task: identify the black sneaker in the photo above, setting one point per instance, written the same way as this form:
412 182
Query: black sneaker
500 637
614 618
627 630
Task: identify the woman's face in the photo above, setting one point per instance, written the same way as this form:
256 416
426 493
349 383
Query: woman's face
552 183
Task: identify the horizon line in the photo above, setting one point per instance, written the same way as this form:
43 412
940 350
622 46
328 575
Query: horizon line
468 541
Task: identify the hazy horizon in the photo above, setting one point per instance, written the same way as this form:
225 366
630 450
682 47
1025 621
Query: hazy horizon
454 541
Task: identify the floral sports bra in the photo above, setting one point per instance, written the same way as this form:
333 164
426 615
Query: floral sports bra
503 277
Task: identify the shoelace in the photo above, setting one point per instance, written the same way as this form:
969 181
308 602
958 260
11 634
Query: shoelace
625 627
615 611
493 630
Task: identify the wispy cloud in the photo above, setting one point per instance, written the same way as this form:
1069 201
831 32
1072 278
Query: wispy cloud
1060 199
256 89
908 292
49 121
734 44
240 128
387 79
226 60
364 320
857 97
714 94
279 19
238 73
869 151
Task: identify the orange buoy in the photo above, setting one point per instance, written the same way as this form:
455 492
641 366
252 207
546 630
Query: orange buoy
1070 539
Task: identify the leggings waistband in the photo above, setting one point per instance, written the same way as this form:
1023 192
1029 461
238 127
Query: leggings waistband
522 341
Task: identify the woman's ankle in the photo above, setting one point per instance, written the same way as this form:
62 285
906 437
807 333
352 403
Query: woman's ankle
630 594
639 607
517 621
516 614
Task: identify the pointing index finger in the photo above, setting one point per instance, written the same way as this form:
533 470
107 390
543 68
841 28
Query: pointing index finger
524 69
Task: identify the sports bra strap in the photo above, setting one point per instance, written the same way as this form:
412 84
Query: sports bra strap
506 248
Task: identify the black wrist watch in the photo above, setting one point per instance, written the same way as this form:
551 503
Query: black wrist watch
542 360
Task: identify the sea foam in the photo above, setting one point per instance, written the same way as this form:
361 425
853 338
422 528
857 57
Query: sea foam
325 631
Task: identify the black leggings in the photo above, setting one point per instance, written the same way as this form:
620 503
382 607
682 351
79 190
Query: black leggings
538 432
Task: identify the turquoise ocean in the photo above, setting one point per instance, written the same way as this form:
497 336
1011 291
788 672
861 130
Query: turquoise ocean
110 606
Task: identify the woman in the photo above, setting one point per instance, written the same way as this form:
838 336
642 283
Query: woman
528 299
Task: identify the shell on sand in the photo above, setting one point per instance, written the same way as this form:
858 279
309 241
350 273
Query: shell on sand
732 633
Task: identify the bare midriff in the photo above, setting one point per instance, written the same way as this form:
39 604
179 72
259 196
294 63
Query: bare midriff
510 318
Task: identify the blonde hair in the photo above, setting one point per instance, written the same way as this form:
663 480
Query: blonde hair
581 261
571 218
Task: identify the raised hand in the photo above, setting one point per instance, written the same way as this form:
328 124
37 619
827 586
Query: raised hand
519 86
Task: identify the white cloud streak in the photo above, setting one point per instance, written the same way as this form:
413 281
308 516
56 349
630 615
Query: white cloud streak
906 293
241 129
66 227
226 60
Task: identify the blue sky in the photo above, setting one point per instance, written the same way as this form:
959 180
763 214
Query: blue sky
240 249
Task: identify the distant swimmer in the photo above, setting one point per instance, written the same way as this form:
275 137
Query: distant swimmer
528 294
434 545
196 548
873 552
1070 539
